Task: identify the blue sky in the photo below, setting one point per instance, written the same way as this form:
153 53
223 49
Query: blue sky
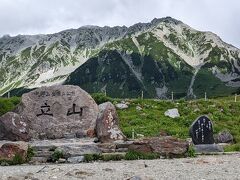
49 16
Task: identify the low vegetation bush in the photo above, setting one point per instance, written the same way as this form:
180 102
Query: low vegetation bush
133 155
232 148
57 154
101 98
191 151
7 105
30 153
92 157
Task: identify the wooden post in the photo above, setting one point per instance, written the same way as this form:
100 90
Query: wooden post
172 96
133 134
235 97
142 95
205 96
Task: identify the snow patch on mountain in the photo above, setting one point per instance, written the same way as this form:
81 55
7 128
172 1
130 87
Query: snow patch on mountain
140 48
194 59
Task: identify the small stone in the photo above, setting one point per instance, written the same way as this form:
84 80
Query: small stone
140 135
61 160
4 163
121 106
172 113
135 178
77 159
138 108
53 177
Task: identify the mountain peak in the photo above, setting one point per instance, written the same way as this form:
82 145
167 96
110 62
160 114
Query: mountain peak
158 57
167 19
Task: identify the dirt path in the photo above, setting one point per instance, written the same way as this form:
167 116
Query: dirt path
202 167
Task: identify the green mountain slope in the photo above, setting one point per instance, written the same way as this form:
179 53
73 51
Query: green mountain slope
157 58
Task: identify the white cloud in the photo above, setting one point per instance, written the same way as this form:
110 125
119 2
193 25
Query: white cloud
49 16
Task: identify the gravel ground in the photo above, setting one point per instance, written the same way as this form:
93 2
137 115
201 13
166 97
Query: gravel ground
203 167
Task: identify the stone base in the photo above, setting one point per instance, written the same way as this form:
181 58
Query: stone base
208 148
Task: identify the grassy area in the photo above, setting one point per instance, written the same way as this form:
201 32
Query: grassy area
7 105
224 113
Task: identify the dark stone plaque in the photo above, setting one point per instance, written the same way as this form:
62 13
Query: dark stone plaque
201 131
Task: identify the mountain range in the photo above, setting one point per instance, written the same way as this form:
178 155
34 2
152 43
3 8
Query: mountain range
155 58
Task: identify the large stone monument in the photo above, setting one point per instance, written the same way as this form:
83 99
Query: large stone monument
201 131
51 113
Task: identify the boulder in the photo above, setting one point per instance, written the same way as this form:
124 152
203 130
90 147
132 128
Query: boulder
224 137
172 113
166 146
107 128
142 146
121 106
8 150
56 112
14 127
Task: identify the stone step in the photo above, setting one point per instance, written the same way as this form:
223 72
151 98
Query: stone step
37 160
44 148
46 154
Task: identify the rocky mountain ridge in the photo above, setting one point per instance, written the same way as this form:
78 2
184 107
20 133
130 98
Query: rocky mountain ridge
159 57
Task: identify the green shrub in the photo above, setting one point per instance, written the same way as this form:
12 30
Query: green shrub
92 157
17 159
112 157
133 155
191 151
56 155
7 105
101 98
30 153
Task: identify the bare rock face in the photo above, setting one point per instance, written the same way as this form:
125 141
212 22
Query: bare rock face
56 112
107 128
9 149
14 127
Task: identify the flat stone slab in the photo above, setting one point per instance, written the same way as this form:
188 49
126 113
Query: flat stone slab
61 142
69 147
207 148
